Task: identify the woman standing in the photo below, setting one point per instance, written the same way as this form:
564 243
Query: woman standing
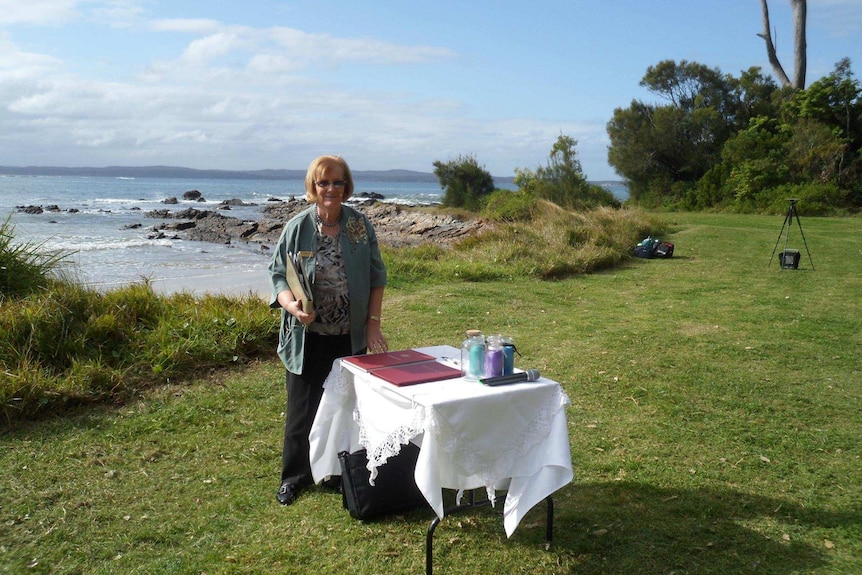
337 247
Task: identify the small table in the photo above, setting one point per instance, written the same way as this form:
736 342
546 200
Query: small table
511 438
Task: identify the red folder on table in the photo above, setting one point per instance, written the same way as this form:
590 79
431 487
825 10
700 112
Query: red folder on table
375 361
413 373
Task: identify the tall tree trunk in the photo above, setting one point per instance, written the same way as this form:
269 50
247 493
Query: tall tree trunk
800 45
800 59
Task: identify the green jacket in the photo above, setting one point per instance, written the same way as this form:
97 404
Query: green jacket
364 267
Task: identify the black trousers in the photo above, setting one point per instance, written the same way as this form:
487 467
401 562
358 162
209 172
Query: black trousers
303 397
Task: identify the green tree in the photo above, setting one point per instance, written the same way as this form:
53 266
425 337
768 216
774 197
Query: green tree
664 150
834 101
808 147
465 183
816 152
562 180
634 150
756 162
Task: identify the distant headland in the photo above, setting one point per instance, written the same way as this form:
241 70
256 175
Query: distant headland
192 173
618 187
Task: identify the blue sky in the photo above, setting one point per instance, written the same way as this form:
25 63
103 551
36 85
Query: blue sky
386 84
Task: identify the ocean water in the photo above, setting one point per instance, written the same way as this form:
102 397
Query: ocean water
96 217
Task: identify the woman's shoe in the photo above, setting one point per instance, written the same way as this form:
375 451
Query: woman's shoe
287 493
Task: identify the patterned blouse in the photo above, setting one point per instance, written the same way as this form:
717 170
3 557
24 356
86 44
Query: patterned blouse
331 297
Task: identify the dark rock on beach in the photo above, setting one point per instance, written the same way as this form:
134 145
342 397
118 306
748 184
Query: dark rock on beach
370 196
30 209
35 210
235 202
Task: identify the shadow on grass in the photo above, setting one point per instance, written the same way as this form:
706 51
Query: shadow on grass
630 528
636 529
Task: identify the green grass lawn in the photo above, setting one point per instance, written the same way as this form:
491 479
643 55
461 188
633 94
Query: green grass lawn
715 428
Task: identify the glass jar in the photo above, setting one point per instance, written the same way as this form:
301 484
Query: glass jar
494 356
508 355
473 355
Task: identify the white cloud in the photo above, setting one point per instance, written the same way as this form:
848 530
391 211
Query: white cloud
117 13
324 47
273 64
15 62
204 50
58 12
41 12
243 56
187 25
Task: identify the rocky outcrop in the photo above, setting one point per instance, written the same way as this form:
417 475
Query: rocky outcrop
36 210
235 202
33 210
406 226
201 225
395 225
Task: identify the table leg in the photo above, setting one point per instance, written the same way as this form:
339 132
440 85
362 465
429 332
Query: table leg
429 536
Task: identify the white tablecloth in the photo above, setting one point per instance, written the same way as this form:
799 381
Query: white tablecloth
511 437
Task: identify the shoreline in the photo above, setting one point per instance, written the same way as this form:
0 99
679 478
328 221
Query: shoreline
201 282
247 283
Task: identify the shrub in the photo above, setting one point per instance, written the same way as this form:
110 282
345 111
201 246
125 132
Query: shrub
69 345
506 206
25 267
466 183
814 199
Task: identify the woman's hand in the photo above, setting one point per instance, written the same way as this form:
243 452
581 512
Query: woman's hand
374 337
295 309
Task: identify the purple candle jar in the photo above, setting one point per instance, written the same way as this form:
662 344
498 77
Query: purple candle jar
494 356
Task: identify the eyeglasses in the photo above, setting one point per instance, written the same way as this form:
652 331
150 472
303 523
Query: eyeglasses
337 184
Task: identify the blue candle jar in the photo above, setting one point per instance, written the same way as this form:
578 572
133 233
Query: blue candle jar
473 355
508 355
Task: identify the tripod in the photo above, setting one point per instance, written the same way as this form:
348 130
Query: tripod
788 222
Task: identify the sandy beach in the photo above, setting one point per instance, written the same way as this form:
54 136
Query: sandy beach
218 282
253 282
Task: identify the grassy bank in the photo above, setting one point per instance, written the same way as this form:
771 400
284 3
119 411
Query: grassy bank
67 346
715 428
